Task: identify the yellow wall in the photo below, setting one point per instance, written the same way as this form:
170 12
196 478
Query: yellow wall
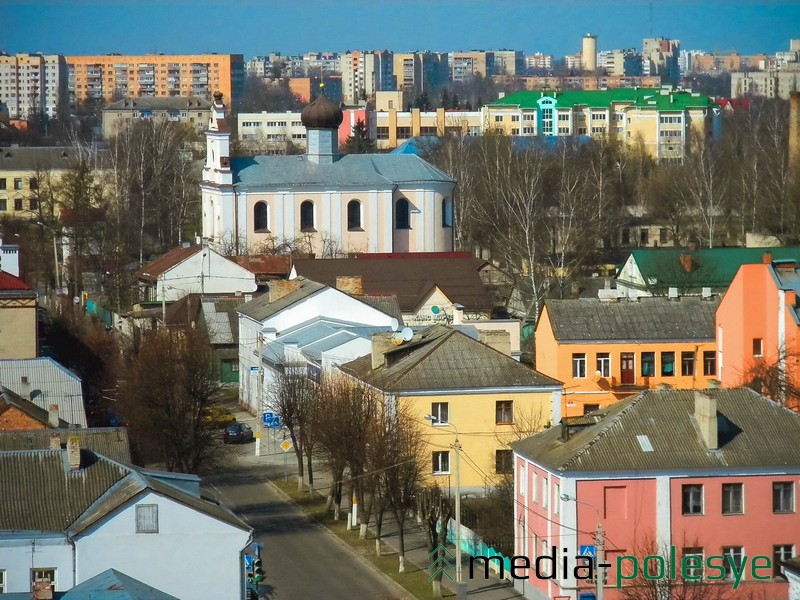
479 435
18 325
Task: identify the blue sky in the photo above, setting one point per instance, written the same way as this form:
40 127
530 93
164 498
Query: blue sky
253 27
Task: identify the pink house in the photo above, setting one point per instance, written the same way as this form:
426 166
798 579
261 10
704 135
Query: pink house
705 480
758 322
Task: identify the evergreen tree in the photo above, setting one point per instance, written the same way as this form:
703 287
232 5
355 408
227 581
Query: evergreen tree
359 141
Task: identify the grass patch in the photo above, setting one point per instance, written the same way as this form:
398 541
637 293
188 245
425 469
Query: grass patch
414 580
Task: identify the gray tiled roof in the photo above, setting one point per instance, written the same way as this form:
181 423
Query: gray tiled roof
39 492
657 319
442 358
378 171
32 158
108 441
753 432
261 308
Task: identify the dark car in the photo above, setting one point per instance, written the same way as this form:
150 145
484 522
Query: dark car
237 433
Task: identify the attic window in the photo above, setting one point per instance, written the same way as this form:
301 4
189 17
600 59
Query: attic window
644 443
24 379
147 518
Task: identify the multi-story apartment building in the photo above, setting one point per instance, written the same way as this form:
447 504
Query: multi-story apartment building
275 129
587 83
765 84
664 121
364 73
509 62
419 72
195 112
313 63
110 77
660 57
627 62
537 60
464 65
32 84
306 88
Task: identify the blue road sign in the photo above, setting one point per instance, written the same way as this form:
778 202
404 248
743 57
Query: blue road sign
267 417
248 562
586 551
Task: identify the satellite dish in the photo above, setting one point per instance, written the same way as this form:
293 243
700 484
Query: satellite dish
76 299
394 324
407 333
397 338
597 376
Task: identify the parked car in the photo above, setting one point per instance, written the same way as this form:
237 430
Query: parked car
237 433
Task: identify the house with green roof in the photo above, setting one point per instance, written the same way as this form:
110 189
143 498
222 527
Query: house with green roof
663 121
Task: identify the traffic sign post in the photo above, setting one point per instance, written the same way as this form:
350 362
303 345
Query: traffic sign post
286 445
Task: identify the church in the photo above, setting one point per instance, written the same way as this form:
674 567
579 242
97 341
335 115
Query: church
322 202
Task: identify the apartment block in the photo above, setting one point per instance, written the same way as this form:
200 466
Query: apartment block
364 73
537 60
109 77
765 84
660 57
419 72
464 65
307 88
32 83
194 112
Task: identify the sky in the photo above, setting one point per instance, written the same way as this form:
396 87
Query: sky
258 27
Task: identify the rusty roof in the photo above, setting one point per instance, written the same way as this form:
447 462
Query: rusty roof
152 270
264 264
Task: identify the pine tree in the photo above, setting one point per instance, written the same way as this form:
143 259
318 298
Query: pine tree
359 141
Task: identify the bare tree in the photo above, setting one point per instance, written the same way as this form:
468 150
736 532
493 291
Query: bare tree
436 509
776 377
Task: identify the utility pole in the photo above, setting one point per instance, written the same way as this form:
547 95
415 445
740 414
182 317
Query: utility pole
460 589
599 539
259 391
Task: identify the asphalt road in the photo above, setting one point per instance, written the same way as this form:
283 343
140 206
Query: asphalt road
301 559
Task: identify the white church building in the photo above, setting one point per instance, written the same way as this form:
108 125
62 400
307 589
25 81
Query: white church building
325 202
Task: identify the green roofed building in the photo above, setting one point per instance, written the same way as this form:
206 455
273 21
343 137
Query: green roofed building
662 120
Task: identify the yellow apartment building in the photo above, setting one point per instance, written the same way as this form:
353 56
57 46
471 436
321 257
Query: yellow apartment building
110 77
605 351
21 174
476 394
664 122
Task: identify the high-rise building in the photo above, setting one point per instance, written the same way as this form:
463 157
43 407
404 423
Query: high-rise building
364 73
113 76
589 52
419 72
539 60
32 84
660 57
509 62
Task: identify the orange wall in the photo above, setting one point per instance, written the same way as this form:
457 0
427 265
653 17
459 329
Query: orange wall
13 419
555 359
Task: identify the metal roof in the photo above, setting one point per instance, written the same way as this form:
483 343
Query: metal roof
114 585
9 399
641 97
442 358
43 381
108 441
648 319
261 308
221 321
753 432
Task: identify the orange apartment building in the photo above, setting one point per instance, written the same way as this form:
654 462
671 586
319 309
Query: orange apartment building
758 323
110 77
605 351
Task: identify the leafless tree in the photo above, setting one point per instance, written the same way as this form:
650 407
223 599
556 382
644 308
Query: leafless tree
776 377
436 508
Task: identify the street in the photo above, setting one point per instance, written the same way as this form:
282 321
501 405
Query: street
301 559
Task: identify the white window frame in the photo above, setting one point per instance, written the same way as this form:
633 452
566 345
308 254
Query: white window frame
2 581
736 552
436 411
604 363
790 486
699 553
690 503
727 488
38 571
545 492
144 521
438 463
579 365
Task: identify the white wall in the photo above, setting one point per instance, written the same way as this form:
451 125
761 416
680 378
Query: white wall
192 556
50 553
209 274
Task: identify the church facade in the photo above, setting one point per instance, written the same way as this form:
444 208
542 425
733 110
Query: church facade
322 202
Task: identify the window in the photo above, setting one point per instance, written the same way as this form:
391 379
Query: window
644 237
783 497
648 364
733 556
687 364
2 581
626 233
34 203
353 215
667 364
504 412
758 347
535 488
709 363
441 463
33 183
589 408
146 518
693 558
692 502
545 492
663 236
441 412
18 183
234 365
604 364
447 212
780 553
579 366
307 216
3 183
402 214
498 118
44 574
503 462
261 217
732 499
17 203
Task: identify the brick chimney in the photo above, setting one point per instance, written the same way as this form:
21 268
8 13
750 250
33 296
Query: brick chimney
705 412
686 262
52 416
42 590
278 288
766 259
74 452
351 285
55 441
381 343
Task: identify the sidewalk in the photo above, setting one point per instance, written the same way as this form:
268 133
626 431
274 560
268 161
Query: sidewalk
274 459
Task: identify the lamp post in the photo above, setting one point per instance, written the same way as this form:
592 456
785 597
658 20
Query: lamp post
55 254
599 540
460 591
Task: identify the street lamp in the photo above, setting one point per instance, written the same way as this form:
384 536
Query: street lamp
55 254
457 447
599 538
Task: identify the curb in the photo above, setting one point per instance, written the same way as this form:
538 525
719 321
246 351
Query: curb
404 593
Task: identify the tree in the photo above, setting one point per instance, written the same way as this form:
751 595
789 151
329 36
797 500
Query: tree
165 394
359 141
260 96
436 509
776 377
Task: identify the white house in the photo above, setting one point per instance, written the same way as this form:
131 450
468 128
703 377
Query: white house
193 270
295 303
323 202
69 515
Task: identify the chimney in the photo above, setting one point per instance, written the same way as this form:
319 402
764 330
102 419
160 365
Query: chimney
351 285
497 339
381 343
705 412
766 259
74 452
55 441
279 288
52 416
458 314
42 589
686 262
